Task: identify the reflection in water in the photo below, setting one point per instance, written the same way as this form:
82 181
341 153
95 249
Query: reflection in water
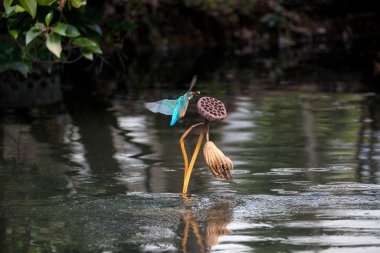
368 152
215 225
311 139
17 146
30 168
76 155
189 220
218 219
131 140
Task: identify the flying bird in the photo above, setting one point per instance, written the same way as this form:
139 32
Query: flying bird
175 107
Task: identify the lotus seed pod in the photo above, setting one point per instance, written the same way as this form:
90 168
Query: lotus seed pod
211 108
219 164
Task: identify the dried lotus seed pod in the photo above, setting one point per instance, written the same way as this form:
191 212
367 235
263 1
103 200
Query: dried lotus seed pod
211 108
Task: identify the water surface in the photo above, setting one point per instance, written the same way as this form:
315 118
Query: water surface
77 178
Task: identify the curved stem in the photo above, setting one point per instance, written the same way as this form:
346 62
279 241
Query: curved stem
193 158
183 149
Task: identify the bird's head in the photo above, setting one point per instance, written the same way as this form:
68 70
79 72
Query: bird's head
193 94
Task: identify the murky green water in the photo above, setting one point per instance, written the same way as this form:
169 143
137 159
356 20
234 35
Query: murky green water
306 177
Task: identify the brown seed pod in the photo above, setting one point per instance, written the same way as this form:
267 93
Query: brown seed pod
211 108
219 164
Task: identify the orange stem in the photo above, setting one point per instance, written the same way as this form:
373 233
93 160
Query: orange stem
193 158
183 149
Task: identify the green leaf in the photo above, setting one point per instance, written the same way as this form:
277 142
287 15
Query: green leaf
72 31
48 18
14 9
11 22
87 54
77 3
66 30
91 45
53 43
18 9
30 6
96 28
7 4
46 2
60 28
10 10
33 32
21 67
14 34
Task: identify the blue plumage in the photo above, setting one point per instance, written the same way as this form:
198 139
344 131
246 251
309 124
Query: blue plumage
176 107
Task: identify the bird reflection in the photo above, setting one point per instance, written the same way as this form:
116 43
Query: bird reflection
206 225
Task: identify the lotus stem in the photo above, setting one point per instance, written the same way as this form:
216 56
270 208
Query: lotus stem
207 130
189 168
183 148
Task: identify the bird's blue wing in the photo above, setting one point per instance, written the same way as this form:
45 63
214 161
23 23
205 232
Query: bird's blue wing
166 106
